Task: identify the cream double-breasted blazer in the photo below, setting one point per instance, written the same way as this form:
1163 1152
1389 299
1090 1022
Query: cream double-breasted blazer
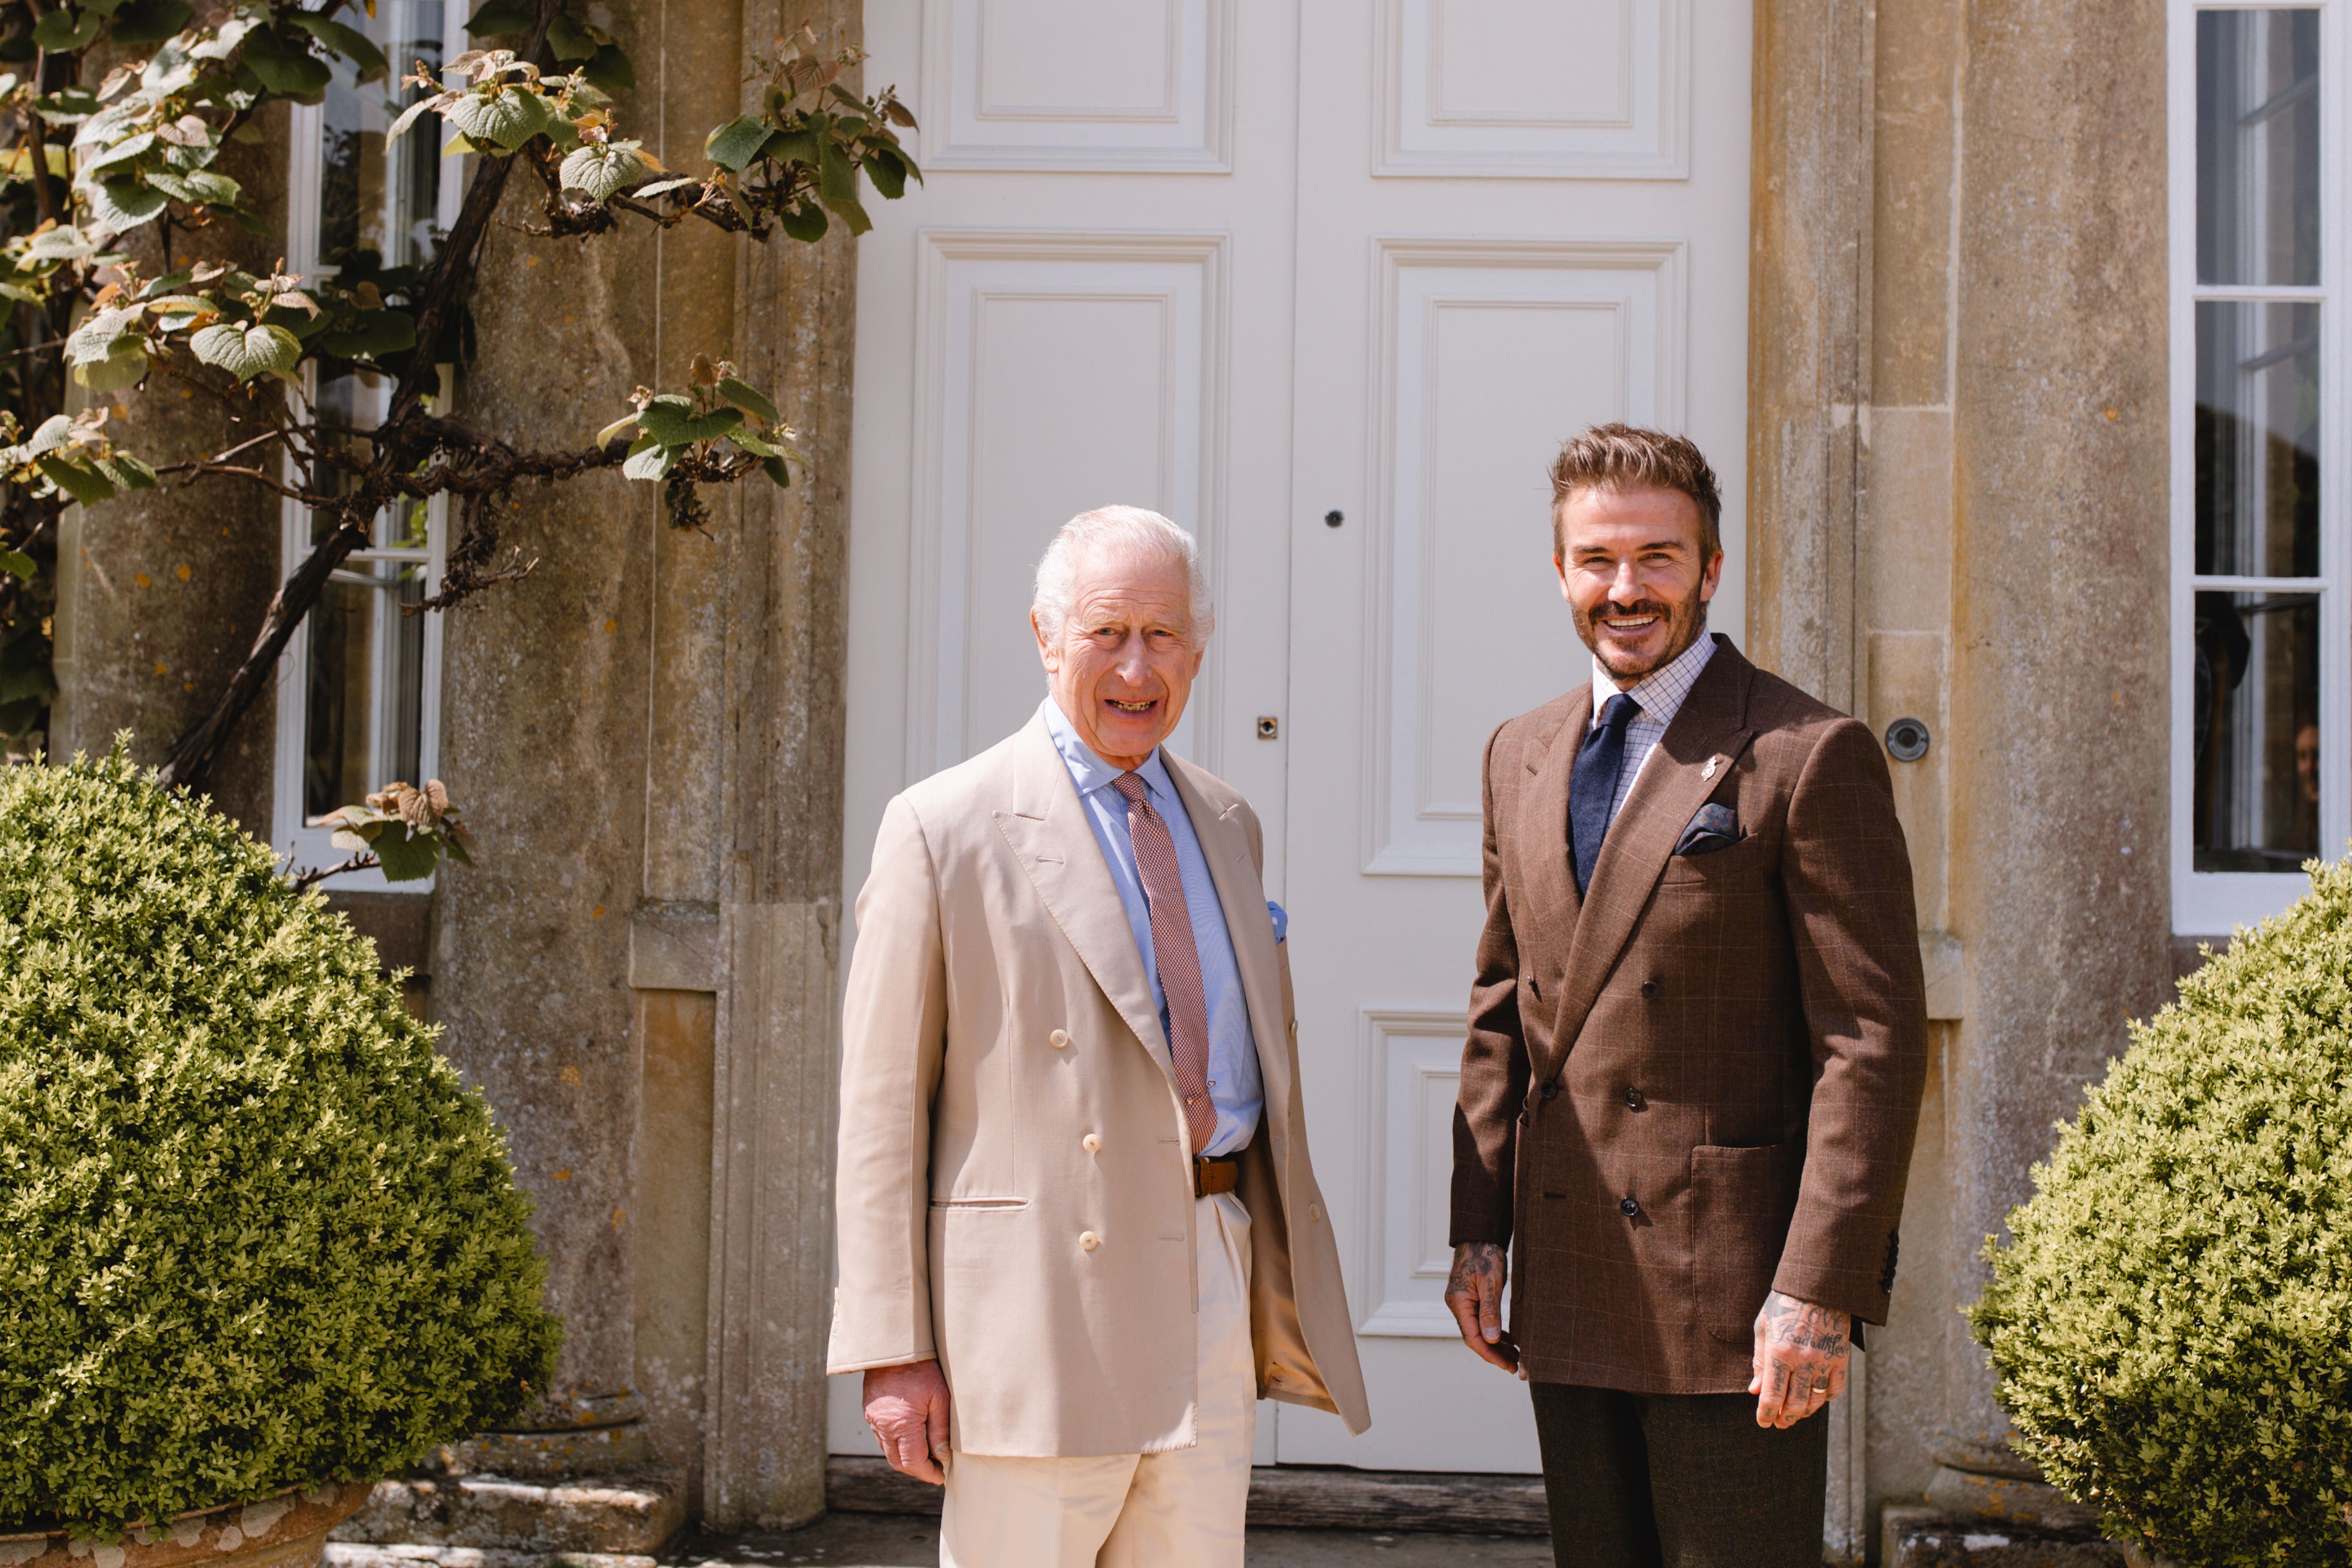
1015 1195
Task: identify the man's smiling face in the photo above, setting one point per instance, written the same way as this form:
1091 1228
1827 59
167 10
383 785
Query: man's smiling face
1633 574
1122 665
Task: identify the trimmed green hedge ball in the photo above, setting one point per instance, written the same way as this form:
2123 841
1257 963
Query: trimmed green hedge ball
252 1230
2172 1325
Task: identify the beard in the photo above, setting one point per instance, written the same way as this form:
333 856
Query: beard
1685 622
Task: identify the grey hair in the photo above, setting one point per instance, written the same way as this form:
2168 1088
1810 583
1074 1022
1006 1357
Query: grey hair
1147 533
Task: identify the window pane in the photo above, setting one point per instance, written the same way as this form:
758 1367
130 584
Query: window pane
2258 146
2256 807
2257 496
363 714
376 207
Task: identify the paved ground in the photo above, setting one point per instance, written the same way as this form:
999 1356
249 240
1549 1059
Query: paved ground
894 1540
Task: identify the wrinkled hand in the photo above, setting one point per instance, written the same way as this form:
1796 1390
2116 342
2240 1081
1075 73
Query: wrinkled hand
1802 1353
1475 1291
907 1406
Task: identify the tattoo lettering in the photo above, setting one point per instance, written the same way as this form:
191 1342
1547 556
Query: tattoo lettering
1802 1352
1803 1326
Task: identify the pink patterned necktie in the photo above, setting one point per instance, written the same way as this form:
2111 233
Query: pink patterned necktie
1178 960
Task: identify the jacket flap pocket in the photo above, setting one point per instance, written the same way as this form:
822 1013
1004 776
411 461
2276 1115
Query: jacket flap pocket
1741 1202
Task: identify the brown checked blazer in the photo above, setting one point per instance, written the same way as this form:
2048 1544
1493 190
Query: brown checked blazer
1698 1083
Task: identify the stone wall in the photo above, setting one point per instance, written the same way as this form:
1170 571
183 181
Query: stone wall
1968 276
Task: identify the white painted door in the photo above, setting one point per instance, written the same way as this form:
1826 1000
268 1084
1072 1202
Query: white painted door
1252 263
1516 217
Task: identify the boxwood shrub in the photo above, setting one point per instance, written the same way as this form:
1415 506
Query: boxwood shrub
2172 1323
252 1230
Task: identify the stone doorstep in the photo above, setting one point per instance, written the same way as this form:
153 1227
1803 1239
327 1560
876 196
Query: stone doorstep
349 1554
1296 1497
1918 1536
605 1520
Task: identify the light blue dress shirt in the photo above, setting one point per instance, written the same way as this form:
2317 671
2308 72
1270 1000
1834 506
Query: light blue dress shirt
1234 1086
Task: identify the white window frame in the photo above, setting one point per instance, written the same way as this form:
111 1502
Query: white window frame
292 837
2213 903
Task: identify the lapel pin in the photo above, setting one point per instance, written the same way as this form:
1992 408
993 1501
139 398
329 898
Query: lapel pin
1708 772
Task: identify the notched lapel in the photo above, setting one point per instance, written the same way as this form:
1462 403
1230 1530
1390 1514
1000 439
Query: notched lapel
1708 736
1049 837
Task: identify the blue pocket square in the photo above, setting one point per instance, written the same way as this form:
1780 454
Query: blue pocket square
1281 919
1716 826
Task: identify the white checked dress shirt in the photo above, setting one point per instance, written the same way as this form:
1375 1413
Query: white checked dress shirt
1661 694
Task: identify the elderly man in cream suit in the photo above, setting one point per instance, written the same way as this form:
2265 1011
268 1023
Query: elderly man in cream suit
1079 1234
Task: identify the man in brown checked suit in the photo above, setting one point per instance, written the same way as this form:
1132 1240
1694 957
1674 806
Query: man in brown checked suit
1696 1047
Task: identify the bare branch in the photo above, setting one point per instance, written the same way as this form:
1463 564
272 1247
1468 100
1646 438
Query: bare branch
312 876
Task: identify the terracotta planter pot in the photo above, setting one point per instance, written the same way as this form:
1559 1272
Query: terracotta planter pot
286 1531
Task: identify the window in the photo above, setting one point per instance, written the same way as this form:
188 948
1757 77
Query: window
359 687
2261 752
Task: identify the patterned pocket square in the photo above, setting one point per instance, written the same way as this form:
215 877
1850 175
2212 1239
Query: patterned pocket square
1716 826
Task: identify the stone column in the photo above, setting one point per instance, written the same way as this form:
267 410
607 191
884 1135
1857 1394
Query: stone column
780 917
2060 687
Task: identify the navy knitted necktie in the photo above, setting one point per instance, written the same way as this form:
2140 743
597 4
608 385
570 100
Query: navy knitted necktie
1592 788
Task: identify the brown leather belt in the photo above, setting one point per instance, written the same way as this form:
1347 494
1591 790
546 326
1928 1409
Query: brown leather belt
1215 1173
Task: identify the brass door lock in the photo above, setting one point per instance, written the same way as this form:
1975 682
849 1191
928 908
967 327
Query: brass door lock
1269 728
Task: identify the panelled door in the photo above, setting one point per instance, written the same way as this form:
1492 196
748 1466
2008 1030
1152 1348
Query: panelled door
1261 265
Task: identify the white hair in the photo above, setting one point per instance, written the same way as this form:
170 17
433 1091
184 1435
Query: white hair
1127 527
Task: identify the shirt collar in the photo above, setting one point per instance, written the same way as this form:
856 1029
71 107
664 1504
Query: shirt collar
1089 772
1661 692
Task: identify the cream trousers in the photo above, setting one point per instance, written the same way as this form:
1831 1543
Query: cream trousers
1180 1509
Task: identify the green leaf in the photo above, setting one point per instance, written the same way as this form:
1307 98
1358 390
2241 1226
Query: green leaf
407 857
836 177
126 366
122 205
603 171
99 332
51 435
753 445
245 351
346 41
85 485
775 468
804 222
605 437
505 119
649 460
791 147
66 29
568 41
733 146
151 21
407 117
611 70
126 473
286 64
372 335
664 188
496 18
126 151
852 214
747 399
888 173
662 420
16 564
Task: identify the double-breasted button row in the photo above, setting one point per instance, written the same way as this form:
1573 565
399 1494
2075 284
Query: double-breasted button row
1088 1241
1091 1143
1059 1040
1650 989
1633 1099
1631 1208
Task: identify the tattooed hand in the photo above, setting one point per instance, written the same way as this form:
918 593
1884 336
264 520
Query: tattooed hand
1800 1359
1475 1291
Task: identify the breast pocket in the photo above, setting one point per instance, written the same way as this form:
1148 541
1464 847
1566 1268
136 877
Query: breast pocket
1750 857
1741 1202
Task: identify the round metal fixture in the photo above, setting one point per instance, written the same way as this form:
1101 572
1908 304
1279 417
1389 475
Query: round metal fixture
1334 518
1907 739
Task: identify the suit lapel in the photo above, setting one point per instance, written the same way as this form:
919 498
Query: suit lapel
1708 735
1549 885
1241 890
1054 845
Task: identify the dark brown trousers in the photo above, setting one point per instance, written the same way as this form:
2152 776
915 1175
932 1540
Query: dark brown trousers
1678 1481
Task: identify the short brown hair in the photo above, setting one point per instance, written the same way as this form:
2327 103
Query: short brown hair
1628 458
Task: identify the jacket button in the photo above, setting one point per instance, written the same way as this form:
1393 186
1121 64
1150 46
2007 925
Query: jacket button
1059 1040
1631 1208
1649 988
1088 1241
1551 1089
1091 1143
1634 1100
1315 1211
